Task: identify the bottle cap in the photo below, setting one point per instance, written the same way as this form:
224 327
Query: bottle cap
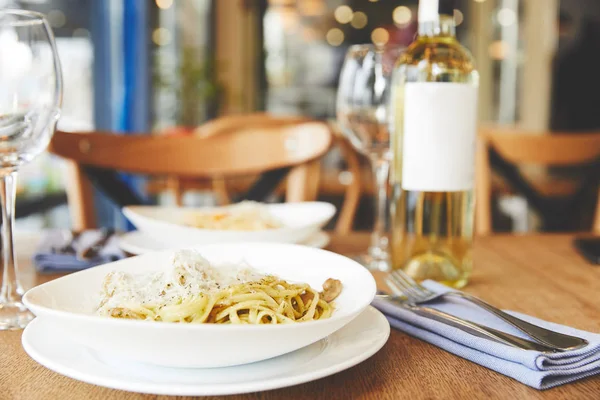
429 10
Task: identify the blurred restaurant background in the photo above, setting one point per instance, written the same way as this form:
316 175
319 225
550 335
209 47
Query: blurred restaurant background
165 67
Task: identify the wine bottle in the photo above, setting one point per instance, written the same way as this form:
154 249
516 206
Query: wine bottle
434 107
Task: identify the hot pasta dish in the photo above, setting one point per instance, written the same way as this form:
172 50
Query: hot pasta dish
193 291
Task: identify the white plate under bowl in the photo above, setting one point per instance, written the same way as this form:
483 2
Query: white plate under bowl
137 242
300 221
352 344
69 303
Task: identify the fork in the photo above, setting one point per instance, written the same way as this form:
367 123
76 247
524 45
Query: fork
68 248
418 294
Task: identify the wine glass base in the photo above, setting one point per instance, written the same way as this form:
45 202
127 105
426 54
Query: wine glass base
14 315
373 263
437 266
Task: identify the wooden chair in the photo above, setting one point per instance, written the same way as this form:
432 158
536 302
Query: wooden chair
231 124
246 151
519 148
310 172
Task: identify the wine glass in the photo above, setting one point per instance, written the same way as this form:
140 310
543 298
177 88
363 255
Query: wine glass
363 114
30 99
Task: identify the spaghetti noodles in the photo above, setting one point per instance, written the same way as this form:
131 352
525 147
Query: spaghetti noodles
195 292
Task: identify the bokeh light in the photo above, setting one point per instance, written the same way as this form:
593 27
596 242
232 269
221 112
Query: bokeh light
402 15
56 18
343 14
459 17
161 36
499 50
380 36
164 4
359 20
506 17
335 37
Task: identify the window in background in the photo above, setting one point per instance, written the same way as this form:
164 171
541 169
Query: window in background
305 42
505 52
185 90
302 56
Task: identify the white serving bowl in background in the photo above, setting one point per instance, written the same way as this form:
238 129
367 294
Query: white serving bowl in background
69 303
300 221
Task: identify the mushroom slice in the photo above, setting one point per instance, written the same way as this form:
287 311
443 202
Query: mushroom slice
331 289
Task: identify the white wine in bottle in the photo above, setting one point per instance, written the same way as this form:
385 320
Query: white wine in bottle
434 127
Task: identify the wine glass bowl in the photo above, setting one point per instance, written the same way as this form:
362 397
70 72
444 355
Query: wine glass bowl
363 98
30 100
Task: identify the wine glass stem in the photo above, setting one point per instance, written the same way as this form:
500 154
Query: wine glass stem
379 239
11 289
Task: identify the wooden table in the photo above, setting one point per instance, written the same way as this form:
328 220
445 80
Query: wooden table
538 275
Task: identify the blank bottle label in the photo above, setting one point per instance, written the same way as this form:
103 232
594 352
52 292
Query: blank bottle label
440 125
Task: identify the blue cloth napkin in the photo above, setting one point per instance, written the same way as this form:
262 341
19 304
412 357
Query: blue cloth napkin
48 260
533 368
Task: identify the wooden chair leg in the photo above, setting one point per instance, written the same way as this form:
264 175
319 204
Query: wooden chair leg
219 186
352 195
303 182
483 189
596 225
174 184
80 195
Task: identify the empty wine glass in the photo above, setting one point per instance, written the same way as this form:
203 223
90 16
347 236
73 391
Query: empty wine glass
363 114
30 99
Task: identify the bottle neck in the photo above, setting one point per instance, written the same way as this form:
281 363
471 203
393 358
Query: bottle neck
444 26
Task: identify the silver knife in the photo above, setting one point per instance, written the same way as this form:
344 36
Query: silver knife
68 248
94 249
470 327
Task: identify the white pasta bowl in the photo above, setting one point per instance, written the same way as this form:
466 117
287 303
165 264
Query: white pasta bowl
300 221
70 303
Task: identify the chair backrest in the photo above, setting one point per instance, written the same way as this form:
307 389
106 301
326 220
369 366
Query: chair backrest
549 149
308 174
245 151
232 123
302 182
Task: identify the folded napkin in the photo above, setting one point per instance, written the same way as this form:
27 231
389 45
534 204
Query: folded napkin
536 369
47 259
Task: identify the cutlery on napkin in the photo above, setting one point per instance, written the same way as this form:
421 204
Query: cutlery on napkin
57 253
540 370
470 327
93 250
